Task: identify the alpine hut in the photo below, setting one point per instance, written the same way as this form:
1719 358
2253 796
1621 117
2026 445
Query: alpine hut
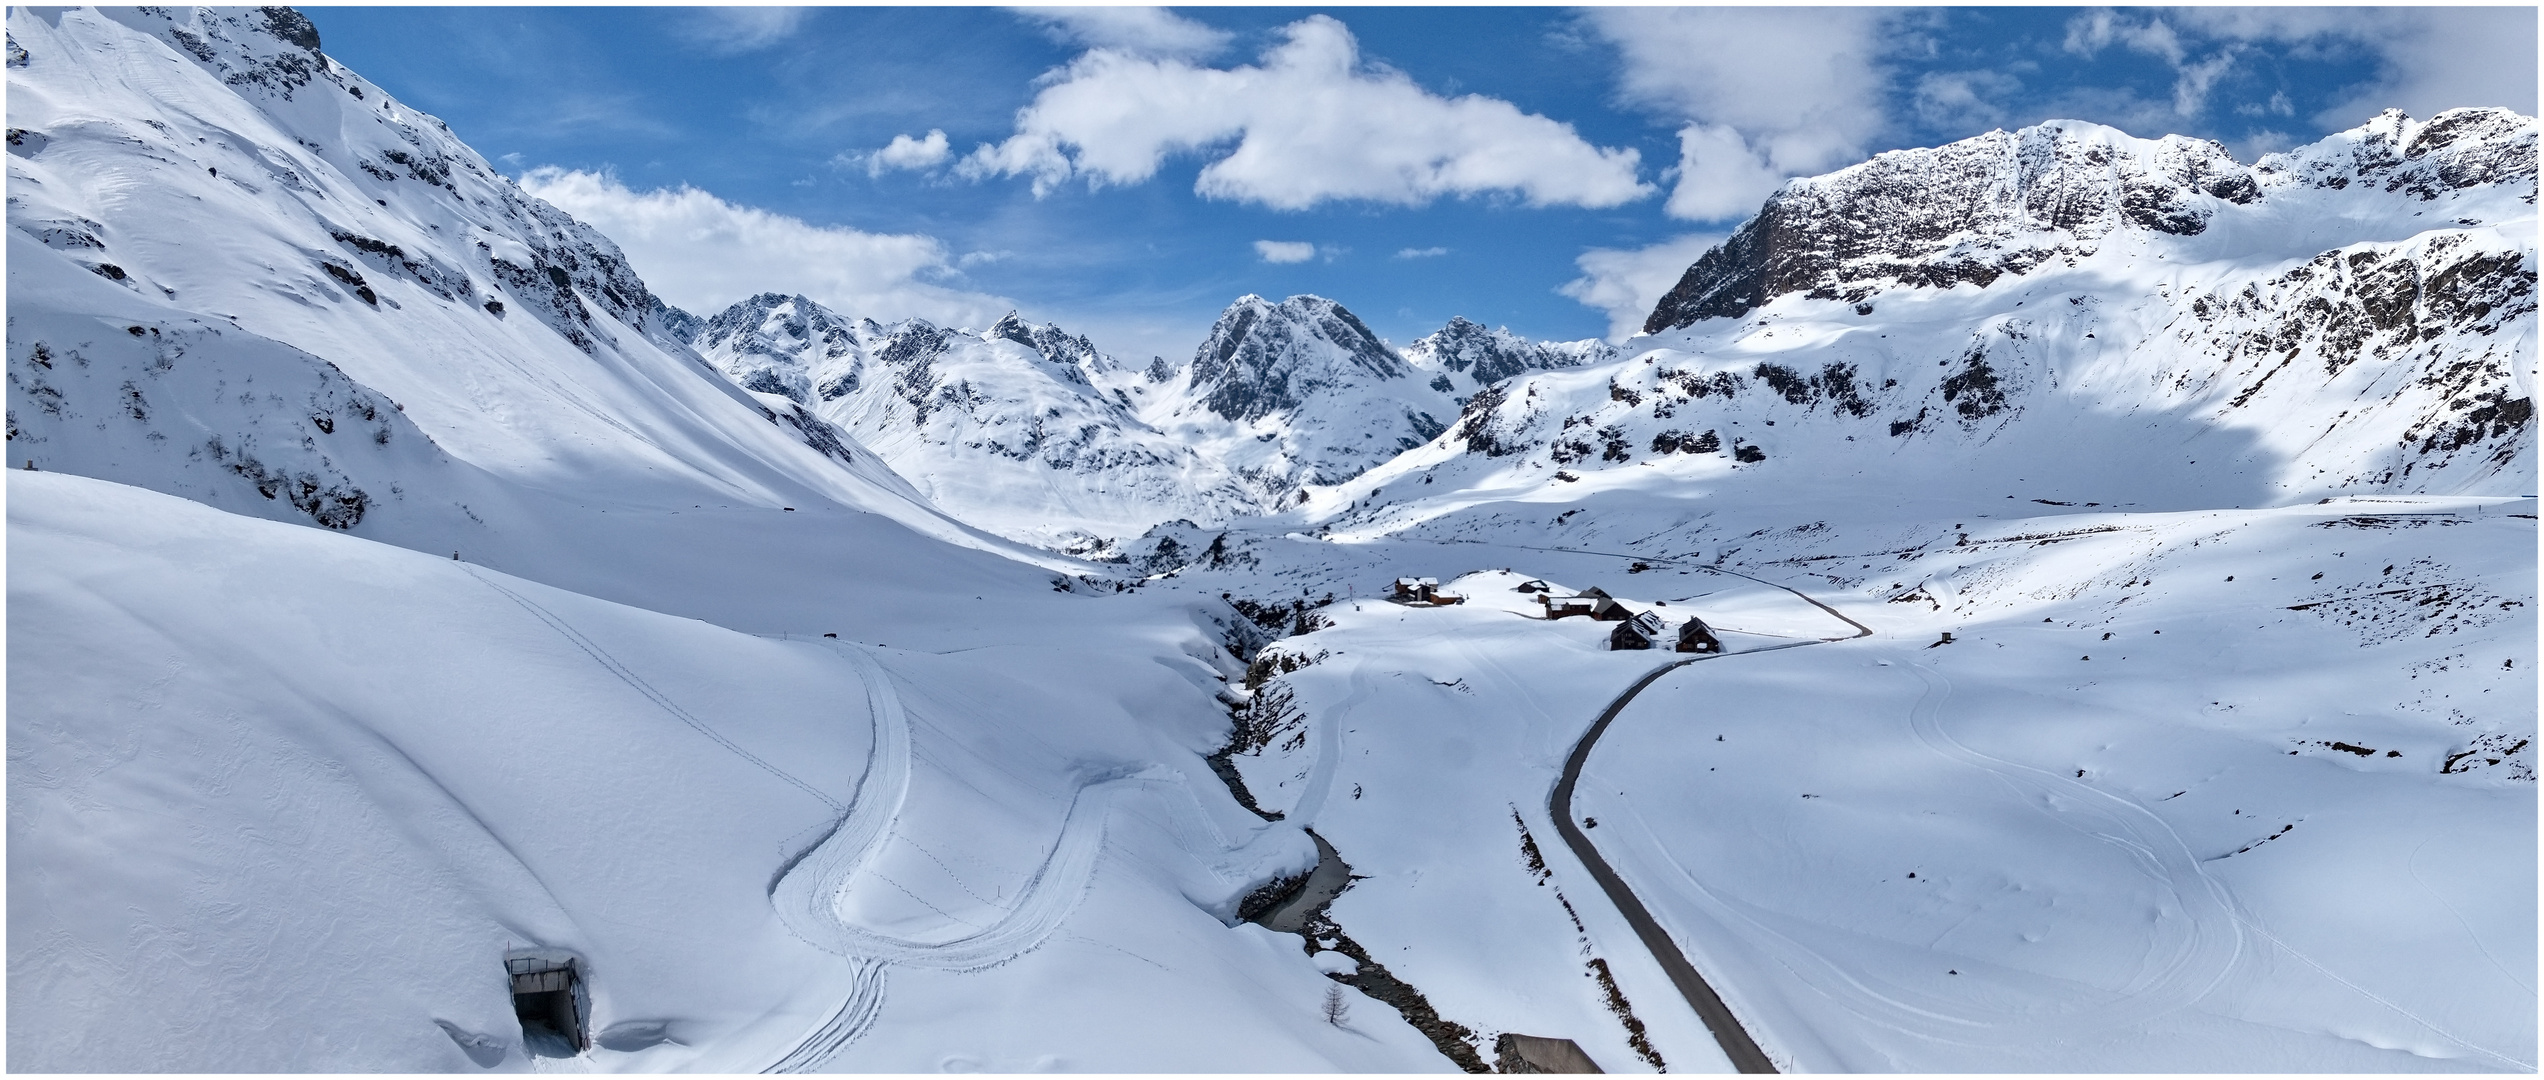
1696 637
1642 631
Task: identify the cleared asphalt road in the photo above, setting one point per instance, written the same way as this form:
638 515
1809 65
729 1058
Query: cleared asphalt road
1736 1043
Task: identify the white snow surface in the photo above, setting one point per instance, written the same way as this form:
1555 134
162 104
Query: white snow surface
395 586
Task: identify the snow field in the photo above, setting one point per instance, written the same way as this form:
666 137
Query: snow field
261 766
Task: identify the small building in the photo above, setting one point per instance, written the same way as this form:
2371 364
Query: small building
1537 1054
1644 631
1424 591
1533 585
1606 609
549 999
1696 637
1565 607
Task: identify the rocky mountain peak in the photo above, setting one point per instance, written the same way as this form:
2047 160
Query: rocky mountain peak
2454 150
1488 355
2007 202
1263 358
1972 210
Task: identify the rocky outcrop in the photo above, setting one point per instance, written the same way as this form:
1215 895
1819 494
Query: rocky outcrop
2010 202
1485 357
1263 358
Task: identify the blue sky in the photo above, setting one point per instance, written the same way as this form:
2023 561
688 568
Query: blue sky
1127 172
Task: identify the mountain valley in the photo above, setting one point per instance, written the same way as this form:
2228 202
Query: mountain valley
2120 560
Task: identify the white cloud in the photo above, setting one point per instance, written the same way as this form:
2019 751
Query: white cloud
1306 125
730 30
905 152
2429 59
2094 31
1963 101
1627 283
2091 32
1284 251
703 253
1795 91
1422 253
1720 175
1145 30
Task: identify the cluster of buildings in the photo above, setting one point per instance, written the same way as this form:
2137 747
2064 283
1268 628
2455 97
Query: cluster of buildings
1635 630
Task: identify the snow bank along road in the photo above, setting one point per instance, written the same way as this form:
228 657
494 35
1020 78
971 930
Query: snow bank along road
1736 1043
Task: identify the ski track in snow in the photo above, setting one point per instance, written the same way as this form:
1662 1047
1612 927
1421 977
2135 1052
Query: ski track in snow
1329 749
806 897
2197 961
610 664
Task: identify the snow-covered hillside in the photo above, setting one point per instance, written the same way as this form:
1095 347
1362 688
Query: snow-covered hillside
2334 332
242 273
487 678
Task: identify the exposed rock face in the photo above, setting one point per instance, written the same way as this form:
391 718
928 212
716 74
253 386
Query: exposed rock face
2455 150
1995 204
2008 203
778 344
1262 358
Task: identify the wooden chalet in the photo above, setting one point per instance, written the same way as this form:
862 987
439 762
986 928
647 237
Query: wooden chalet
1644 631
1534 586
1424 591
1565 607
1696 637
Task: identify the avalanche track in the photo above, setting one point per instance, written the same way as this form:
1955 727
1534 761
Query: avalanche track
1735 1040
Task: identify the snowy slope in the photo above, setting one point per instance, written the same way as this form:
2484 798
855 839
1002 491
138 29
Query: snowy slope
269 778
485 675
186 186
2095 784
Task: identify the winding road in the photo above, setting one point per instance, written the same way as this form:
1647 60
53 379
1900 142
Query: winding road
1736 1043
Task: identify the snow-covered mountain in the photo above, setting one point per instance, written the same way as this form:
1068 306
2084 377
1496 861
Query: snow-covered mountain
2129 579
1006 428
1034 433
2068 314
242 273
1302 393
2013 202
